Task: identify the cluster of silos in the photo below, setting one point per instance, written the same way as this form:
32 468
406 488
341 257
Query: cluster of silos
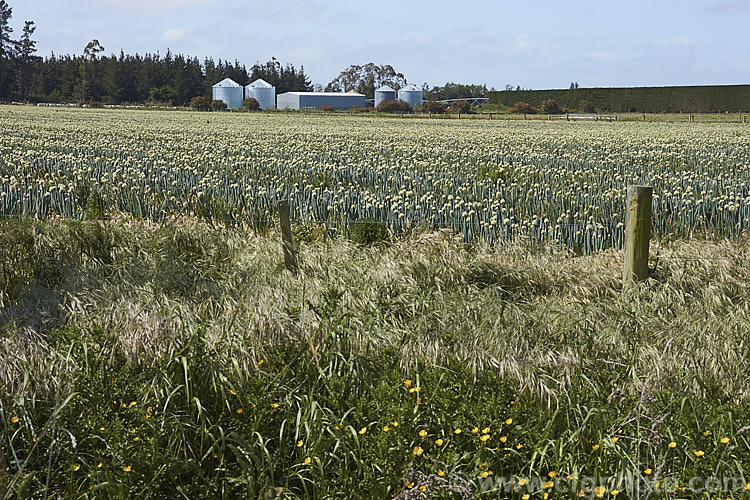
263 92
229 91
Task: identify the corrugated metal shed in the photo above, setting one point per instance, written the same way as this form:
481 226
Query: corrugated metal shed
230 92
384 93
263 92
314 100
411 94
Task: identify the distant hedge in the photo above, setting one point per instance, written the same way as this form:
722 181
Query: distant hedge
699 99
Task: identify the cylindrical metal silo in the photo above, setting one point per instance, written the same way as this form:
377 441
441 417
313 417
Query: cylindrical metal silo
411 94
230 92
263 92
384 93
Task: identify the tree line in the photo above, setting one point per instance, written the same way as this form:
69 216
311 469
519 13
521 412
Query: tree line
92 77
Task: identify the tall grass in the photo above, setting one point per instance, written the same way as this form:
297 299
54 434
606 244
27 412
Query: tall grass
151 360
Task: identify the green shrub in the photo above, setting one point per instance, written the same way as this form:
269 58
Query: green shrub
368 231
217 105
460 107
94 209
251 104
388 106
433 107
200 103
523 107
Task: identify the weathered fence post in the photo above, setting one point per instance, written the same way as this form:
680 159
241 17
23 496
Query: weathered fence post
637 233
290 258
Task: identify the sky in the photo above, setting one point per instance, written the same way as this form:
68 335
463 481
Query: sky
533 44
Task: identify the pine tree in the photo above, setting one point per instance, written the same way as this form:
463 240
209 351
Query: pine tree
7 47
26 57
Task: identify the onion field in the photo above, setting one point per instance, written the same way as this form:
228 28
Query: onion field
489 181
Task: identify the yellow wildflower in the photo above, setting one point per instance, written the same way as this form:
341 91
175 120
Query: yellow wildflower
699 453
439 442
418 450
503 439
484 437
647 472
76 467
707 433
724 440
509 421
308 460
422 433
14 419
519 446
441 473
475 430
486 430
457 431
672 444
614 493
548 484
408 484
299 443
407 383
127 468
395 423
526 497
599 491
552 473
386 428
239 411
423 488
99 465
522 481
615 439
363 430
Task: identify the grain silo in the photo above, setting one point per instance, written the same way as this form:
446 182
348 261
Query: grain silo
230 92
263 92
410 94
384 93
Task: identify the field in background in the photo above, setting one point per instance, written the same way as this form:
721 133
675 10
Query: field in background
162 350
693 99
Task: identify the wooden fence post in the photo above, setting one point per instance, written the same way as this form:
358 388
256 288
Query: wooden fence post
290 258
637 233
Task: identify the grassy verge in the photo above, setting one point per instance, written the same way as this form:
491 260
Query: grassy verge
184 361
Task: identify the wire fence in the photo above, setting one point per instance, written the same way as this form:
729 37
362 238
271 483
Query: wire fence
532 244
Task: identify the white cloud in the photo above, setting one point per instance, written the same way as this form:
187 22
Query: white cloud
730 7
172 34
674 43
525 42
600 56
155 4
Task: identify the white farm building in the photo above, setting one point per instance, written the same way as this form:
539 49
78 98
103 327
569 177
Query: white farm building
314 100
